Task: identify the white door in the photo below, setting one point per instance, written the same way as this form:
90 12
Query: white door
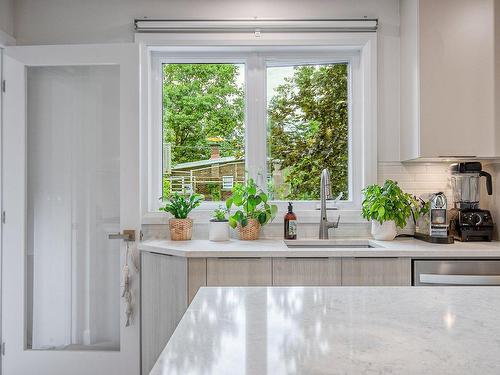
1 203
70 177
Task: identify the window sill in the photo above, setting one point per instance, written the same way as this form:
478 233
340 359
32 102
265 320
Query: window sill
201 216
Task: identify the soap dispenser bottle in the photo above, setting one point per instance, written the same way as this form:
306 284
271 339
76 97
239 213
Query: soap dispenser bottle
290 224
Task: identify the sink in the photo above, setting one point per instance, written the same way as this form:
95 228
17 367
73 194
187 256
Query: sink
349 246
330 244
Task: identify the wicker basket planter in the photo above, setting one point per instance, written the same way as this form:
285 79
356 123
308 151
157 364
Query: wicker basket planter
181 229
249 232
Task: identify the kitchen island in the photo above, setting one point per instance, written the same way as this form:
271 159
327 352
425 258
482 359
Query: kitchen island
337 330
173 271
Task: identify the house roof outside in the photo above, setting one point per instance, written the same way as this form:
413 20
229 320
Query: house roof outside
203 163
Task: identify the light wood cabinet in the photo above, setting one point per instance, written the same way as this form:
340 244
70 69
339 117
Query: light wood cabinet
449 91
197 276
239 272
307 271
376 271
163 302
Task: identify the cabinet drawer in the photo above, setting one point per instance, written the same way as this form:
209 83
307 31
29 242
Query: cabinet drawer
376 271
239 272
306 271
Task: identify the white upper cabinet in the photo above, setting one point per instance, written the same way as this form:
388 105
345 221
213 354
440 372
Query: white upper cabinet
448 88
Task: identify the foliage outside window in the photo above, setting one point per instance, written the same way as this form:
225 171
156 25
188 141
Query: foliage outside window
204 127
308 129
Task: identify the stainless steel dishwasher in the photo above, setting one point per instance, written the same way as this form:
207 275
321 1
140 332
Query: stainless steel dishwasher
478 272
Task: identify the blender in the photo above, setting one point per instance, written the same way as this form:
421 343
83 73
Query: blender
468 222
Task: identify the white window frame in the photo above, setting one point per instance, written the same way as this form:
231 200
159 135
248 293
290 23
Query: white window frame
225 180
358 49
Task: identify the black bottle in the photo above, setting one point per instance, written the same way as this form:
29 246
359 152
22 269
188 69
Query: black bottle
290 224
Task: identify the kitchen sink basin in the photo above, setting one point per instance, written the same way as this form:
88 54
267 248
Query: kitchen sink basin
336 246
329 244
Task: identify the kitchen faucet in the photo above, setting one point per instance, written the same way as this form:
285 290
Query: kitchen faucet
325 193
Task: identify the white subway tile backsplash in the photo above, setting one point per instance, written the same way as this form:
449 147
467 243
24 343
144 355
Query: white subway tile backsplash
416 169
417 178
444 167
431 177
391 168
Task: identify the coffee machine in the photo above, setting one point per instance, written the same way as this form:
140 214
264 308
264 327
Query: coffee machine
438 225
468 222
433 225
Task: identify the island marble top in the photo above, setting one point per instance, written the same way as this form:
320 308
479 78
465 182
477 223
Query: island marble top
337 330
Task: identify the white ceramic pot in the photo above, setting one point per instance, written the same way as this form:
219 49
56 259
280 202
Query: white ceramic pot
385 231
218 231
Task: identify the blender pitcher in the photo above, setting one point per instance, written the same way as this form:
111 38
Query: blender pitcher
465 180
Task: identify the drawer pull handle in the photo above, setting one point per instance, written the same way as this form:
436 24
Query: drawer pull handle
429 278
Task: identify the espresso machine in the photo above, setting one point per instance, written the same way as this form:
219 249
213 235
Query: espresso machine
438 224
468 222
433 226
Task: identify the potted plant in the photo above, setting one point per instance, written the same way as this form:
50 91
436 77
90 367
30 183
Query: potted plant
253 209
180 205
387 207
219 227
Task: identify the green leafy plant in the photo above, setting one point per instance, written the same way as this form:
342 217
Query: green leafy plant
308 115
202 102
252 203
180 205
387 202
308 131
220 214
214 190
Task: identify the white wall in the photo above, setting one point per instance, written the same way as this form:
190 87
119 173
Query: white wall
99 21
7 16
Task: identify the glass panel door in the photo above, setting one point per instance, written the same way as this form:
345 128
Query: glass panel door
73 202
70 176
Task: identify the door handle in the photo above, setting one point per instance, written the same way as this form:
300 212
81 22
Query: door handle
127 235
428 278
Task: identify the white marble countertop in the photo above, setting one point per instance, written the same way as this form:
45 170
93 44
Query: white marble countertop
337 330
346 247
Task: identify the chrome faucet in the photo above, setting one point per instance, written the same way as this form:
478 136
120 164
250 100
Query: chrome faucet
325 194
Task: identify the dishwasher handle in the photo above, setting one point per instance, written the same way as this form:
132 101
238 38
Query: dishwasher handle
429 278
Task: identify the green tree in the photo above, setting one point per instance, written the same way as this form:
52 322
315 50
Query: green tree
308 119
202 101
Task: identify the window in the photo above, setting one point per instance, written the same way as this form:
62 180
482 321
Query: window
279 115
308 129
227 182
203 110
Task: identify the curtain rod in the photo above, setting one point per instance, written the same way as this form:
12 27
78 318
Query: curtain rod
255 25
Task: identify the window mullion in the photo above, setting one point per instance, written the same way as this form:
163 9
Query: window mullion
256 120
